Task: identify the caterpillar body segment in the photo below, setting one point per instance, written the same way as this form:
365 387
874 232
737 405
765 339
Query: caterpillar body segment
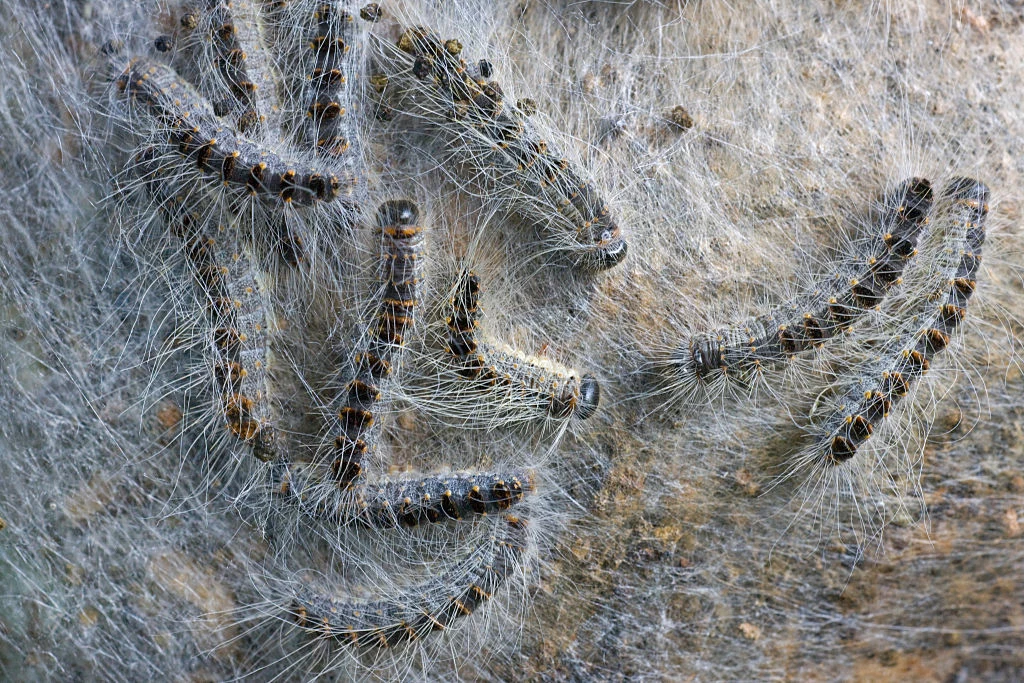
322 50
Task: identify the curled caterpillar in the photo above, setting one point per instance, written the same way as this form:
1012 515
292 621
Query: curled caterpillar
909 359
523 382
194 134
739 355
433 606
496 145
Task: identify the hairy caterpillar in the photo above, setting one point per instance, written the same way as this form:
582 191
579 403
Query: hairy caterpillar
496 145
401 243
739 355
235 31
224 272
431 607
524 382
330 79
194 134
390 503
907 360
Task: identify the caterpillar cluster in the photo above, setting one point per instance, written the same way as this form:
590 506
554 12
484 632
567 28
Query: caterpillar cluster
187 329
348 493
223 189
